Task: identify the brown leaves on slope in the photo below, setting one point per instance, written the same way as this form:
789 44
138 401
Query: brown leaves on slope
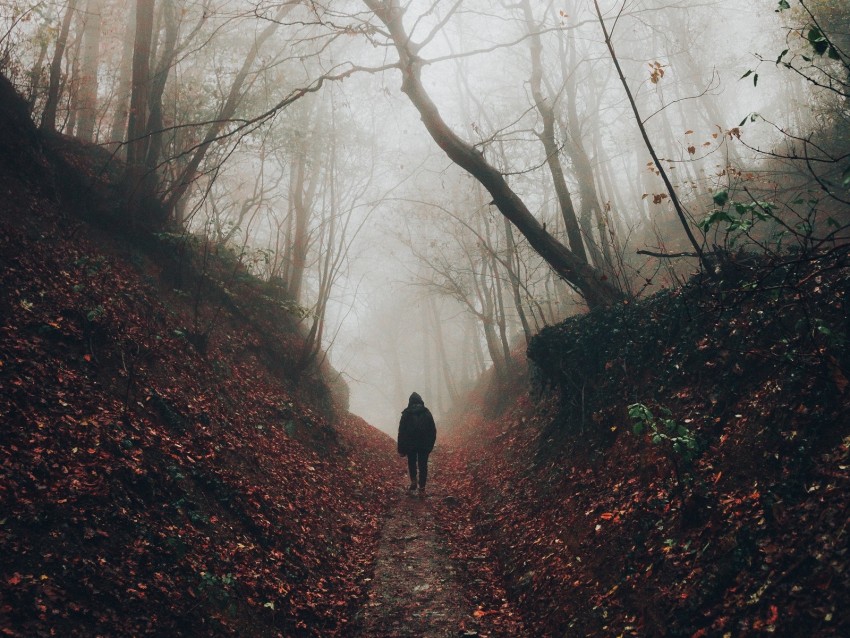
146 489
594 536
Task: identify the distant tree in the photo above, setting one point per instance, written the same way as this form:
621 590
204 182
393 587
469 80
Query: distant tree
137 141
467 270
545 104
48 117
87 86
305 173
186 177
121 105
671 190
154 129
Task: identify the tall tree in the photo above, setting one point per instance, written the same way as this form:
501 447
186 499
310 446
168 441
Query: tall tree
674 198
155 124
187 176
121 108
87 105
137 142
591 282
48 116
546 107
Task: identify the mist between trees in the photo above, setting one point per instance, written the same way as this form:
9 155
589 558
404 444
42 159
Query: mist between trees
428 184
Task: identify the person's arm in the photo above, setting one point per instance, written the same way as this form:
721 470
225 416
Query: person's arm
432 431
403 436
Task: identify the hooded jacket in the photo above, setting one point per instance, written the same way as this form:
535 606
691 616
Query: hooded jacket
417 431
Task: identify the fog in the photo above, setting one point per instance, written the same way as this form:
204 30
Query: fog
282 131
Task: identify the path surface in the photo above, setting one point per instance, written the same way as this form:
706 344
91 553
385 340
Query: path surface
419 589
415 589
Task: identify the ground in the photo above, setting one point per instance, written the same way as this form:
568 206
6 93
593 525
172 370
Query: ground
420 586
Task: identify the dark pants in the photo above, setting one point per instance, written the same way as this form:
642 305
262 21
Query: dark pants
419 459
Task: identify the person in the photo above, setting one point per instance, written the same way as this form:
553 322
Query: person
417 434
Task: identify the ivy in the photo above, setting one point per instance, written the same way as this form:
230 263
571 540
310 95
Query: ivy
664 431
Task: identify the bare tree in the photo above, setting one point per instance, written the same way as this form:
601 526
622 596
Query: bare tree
680 212
139 100
48 117
88 72
591 282
187 176
546 108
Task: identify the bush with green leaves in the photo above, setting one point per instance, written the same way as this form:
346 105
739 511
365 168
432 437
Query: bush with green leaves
804 225
664 431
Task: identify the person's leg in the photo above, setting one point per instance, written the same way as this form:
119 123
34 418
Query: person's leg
411 469
423 469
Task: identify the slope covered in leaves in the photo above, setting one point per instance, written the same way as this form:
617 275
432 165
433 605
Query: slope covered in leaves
156 479
726 517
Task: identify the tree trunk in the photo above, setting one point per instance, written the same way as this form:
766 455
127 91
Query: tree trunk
136 124
88 72
477 351
35 73
187 175
546 109
439 339
122 93
158 81
72 84
301 211
498 300
513 274
48 117
501 316
426 369
582 167
591 282
488 321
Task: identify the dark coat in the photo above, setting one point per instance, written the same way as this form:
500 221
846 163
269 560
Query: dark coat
417 431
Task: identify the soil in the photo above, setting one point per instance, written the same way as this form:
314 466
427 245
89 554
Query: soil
420 587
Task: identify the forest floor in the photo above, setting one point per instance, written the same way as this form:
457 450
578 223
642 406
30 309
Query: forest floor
419 586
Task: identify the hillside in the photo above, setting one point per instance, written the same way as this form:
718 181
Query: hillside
163 470
718 507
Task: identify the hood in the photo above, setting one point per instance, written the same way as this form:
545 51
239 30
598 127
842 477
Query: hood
414 399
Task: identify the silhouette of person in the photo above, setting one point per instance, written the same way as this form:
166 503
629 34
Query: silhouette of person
417 434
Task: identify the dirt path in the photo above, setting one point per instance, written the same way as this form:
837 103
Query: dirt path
418 588
415 589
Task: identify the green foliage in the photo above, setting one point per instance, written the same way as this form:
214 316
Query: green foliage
802 227
820 43
218 589
720 197
95 313
754 74
92 265
736 219
835 338
664 430
178 239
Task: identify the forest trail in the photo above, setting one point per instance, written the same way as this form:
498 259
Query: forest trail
418 587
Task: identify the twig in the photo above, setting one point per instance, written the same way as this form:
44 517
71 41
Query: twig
667 255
